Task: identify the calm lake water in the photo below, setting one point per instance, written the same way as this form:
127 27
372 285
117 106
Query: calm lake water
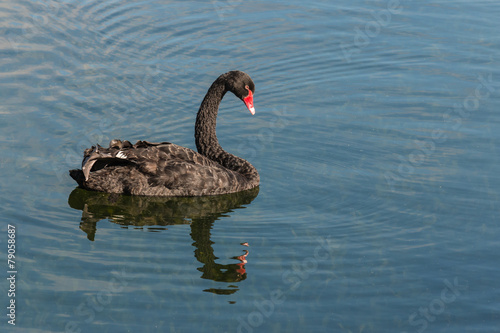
376 136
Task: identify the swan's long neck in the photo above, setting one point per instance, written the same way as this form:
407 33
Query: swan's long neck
206 138
206 120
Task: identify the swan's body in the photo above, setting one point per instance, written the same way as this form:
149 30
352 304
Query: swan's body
165 169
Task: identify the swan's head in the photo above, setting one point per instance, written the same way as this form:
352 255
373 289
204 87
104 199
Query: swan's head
240 84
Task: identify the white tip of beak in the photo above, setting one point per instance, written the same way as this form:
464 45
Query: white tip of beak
252 110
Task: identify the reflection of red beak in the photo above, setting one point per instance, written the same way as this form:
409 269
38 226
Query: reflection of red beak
249 102
241 269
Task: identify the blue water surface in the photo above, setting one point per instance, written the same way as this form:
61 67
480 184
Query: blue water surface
376 136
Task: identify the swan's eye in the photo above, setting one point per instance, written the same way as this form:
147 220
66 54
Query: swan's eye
247 87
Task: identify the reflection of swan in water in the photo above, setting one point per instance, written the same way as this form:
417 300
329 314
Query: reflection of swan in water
157 212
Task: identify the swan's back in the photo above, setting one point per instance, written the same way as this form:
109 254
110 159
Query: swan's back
159 169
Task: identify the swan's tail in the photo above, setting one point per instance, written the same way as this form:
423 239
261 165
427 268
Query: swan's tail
78 176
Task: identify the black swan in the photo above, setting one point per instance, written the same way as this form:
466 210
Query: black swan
165 169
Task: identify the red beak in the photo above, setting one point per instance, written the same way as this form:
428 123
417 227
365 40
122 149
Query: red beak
249 102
